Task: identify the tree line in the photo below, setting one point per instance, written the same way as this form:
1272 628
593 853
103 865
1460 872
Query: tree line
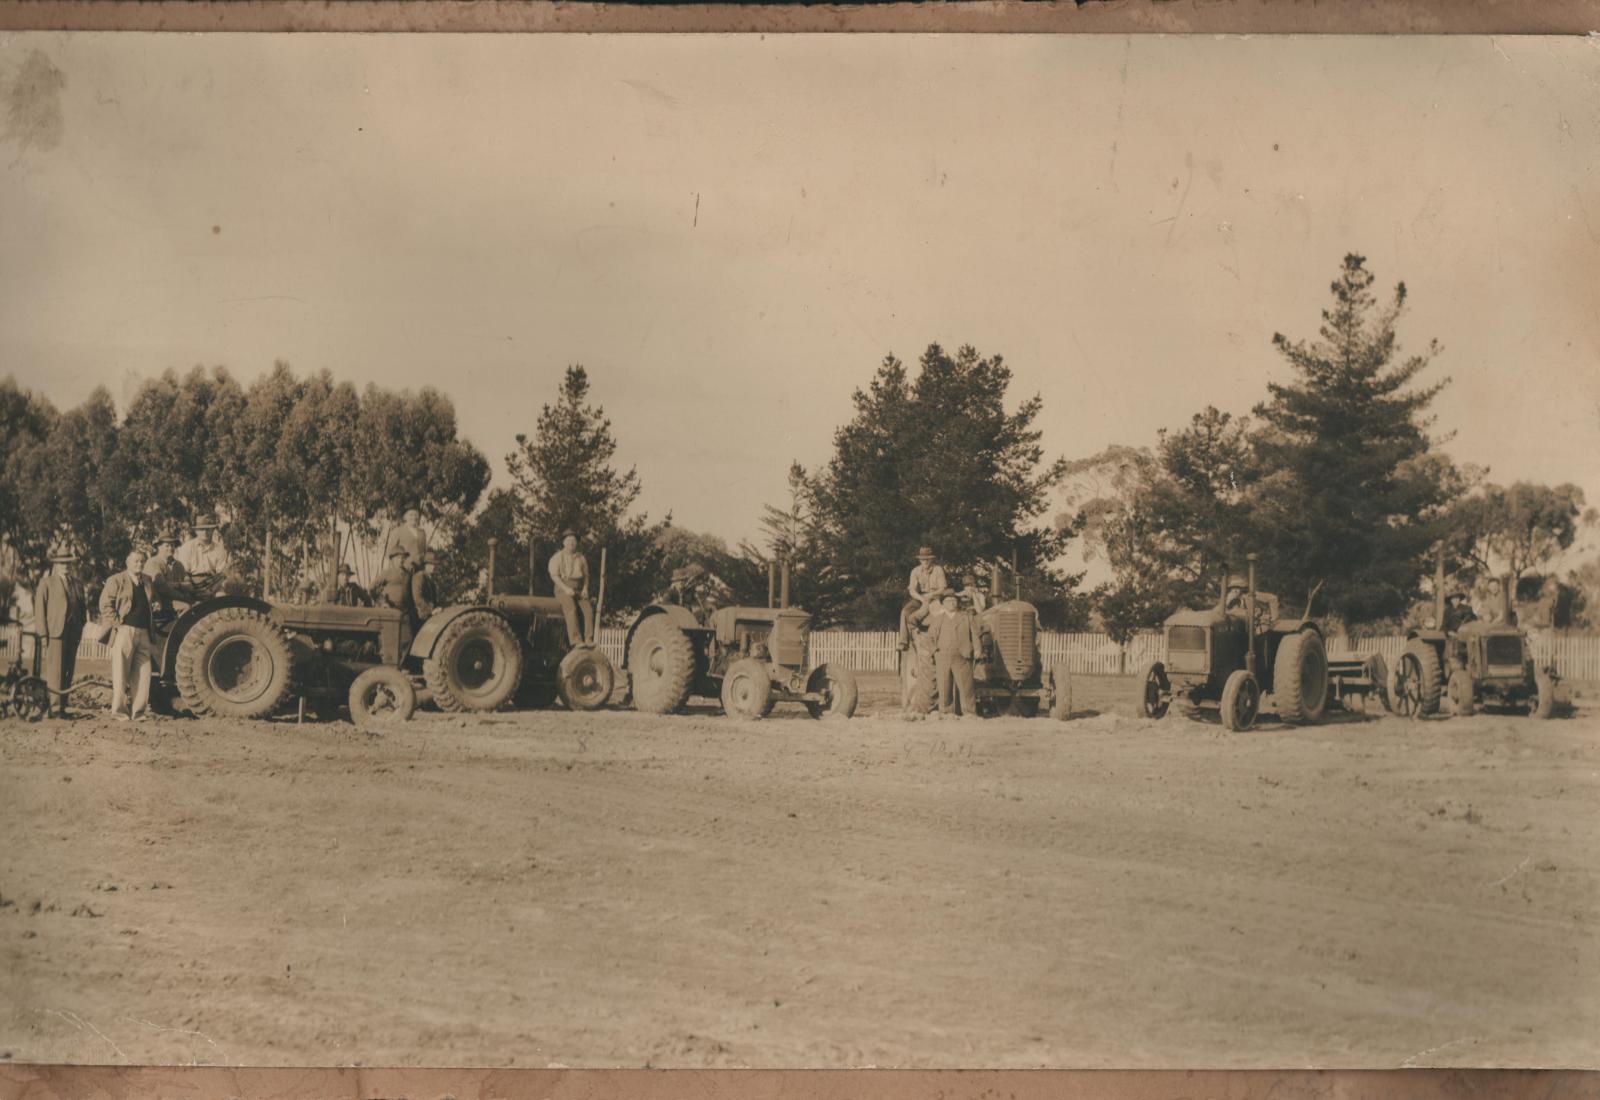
1336 478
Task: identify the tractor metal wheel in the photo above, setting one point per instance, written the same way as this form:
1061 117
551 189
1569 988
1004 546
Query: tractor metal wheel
475 665
1060 684
660 666
838 687
1300 677
585 679
1461 694
30 699
1417 687
234 663
381 694
1241 700
1155 691
1377 671
746 689
1544 706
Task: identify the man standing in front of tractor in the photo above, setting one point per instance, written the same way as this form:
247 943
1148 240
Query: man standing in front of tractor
956 643
570 574
126 603
424 589
347 593
60 613
393 586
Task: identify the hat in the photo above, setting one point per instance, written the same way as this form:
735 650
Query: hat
398 551
62 553
205 521
344 570
569 533
167 535
685 574
925 554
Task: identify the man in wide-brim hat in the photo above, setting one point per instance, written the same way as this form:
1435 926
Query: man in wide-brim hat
170 577
393 586
204 555
60 609
569 573
346 592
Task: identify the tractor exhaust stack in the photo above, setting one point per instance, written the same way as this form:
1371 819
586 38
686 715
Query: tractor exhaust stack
772 584
599 601
783 585
1438 588
492 542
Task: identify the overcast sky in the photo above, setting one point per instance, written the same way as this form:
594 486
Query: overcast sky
731 232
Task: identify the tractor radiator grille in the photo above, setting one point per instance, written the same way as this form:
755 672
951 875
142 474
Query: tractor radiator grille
1505 649
1186 648
787 642
1013 632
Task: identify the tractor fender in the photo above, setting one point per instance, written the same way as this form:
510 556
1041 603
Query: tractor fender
428 636
679 616
185 623
1294 626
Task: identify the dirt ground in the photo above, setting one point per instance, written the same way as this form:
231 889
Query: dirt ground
621 890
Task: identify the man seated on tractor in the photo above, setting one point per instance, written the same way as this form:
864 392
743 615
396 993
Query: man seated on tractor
569 573
346 592
424 589
1457 612
204 556
927 586
696 589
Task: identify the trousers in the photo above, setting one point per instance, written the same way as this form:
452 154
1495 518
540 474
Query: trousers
131 655
955 681
571 606
58 661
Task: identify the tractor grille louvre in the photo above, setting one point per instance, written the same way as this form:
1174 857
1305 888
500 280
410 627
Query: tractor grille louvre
787 642
1013 633
1187 637
1505 650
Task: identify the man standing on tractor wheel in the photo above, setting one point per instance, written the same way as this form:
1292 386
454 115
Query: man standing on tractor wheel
204 555
393 586
60 610
570 575
347 593
126 603
407 535
424 589
956 642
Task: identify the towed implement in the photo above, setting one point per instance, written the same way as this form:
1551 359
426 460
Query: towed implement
1242 656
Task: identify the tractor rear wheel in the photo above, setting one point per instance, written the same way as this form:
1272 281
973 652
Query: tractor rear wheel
1417 681
1544 705
234 663
382 694
660 665
1241 700
585 679
1060 684
1461 694
1300 677
1154 691
839 691
475 665
746 690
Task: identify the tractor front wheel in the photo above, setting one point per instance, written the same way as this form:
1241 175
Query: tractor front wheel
475 665
585 679
838 689
1461 694
1417 683
746 690
1060 684
381 694
1155 691
1241 700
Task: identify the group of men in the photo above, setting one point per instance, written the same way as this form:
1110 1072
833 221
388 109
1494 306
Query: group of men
940 639
135 607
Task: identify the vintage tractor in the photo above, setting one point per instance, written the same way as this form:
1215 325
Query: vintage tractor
1470 664
749 658
244 657
1235 653
1010 677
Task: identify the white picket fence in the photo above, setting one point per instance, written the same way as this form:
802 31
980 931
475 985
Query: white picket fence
1575 656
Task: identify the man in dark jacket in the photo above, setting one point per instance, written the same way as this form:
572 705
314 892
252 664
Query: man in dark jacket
424 589
60 610
347 593
956 642
126 603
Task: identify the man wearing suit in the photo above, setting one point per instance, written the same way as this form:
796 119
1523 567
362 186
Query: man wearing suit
424 589
347 593
60 612
956 642
126 602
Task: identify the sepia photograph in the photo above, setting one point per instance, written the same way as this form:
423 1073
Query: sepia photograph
799 551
